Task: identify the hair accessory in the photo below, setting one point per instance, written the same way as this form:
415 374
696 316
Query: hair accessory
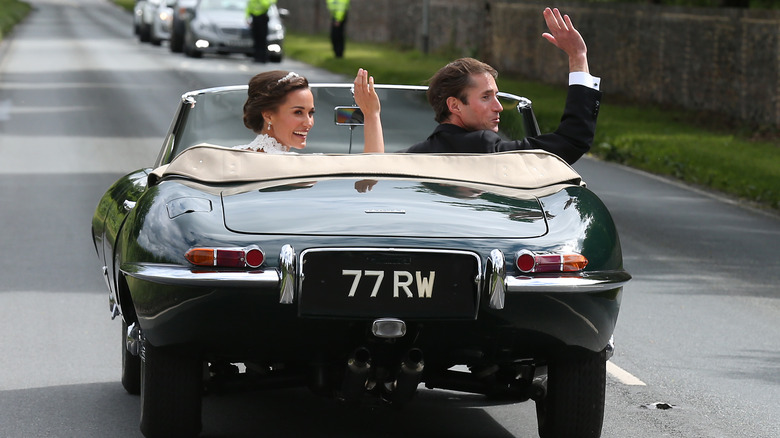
289 76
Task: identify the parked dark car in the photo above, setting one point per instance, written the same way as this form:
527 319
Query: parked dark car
221 27
358 275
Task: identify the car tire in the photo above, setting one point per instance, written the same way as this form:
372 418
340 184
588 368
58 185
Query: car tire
171 385
189 48
145 33
574 403
176 43
131 366
192 52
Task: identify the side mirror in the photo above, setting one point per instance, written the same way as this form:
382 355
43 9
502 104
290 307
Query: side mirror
349 116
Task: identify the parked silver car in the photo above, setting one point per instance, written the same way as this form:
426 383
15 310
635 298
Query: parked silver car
144 17
138 13
220 26
162 21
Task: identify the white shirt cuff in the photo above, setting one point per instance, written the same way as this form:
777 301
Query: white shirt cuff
582 78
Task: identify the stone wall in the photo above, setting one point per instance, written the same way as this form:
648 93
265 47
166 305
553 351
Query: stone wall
720 60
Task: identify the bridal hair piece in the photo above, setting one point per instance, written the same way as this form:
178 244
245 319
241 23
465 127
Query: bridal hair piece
289 76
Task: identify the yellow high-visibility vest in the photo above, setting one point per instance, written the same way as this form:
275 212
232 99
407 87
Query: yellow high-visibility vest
338 9
258 7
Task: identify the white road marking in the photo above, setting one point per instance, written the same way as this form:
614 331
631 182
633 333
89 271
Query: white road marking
623 376
613 370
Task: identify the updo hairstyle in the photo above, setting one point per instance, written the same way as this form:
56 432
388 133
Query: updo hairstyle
266 92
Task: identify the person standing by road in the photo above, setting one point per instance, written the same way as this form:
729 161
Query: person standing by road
338 20
257 16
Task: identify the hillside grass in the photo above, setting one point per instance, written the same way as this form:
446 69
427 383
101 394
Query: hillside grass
706 151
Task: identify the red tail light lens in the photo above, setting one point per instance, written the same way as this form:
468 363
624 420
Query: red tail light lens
251 257
528 262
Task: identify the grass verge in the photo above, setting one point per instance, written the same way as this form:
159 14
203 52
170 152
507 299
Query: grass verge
698 150
125 4
11 12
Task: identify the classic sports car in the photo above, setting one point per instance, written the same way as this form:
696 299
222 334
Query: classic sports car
359 275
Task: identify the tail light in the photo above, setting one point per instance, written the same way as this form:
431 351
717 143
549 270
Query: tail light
529 261
251 257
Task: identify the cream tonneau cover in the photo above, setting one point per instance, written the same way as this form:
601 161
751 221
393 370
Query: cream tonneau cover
520 169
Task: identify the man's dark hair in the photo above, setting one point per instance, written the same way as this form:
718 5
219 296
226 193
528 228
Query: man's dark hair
452 80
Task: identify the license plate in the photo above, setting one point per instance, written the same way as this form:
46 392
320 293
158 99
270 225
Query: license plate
241 43
383 283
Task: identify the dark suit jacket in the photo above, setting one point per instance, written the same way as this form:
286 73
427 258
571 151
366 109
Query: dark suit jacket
570 141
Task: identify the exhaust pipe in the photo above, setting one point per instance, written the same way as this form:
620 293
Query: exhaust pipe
408 377
356 375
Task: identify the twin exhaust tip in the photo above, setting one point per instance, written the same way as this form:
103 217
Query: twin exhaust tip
359 378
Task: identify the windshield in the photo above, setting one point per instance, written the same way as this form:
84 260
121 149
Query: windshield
216 116
223 5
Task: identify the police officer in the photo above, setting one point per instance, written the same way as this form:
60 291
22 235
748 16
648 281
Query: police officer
338 20
257 15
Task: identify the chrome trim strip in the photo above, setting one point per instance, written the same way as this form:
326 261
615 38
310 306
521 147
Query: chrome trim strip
190 96
113 303
187 276
496 279
583 282
287 275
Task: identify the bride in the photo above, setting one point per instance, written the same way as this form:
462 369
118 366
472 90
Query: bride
280 110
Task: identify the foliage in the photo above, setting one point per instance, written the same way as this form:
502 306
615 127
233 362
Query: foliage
680 144
11 12
125 4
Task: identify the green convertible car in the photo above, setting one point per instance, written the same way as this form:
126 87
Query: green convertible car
359 275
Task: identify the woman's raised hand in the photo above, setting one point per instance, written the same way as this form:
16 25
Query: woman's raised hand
368 101
365 96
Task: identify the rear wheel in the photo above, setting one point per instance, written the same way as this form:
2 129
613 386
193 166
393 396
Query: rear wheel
131 366
574 404
170 393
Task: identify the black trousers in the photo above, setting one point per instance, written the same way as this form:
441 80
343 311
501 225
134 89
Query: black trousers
260 36
337 36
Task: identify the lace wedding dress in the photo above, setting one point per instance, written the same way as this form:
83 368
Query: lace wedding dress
265 143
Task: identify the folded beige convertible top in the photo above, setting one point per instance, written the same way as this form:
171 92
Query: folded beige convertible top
520 169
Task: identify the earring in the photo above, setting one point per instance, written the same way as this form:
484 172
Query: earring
269 126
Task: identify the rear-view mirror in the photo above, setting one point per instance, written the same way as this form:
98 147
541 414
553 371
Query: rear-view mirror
349 115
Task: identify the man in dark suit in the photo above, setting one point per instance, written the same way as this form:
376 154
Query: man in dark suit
463 96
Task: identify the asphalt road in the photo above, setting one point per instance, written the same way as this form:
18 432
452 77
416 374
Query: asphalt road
82 102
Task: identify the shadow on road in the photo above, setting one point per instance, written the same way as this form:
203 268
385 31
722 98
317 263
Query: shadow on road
104 409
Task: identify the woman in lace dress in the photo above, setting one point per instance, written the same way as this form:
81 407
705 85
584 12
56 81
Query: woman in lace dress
280 110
